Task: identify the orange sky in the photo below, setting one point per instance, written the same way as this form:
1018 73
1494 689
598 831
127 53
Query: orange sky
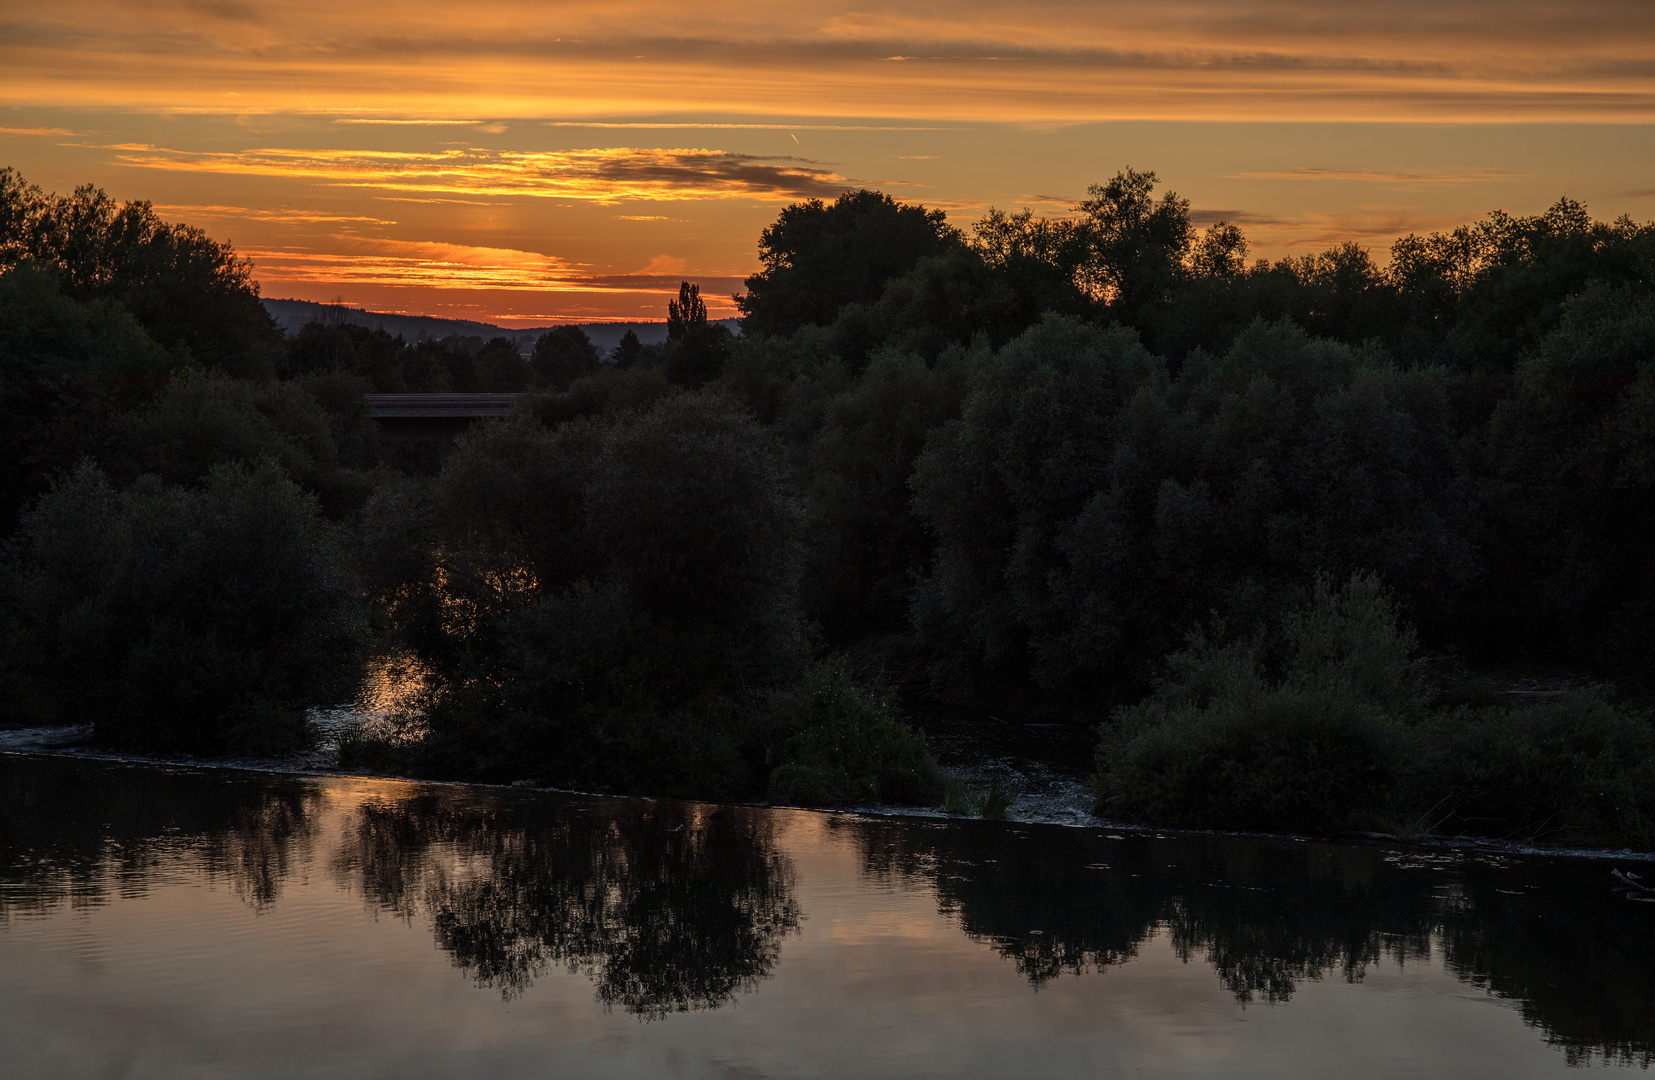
525 162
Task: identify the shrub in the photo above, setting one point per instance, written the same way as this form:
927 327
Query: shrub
959 797
849 747
1575 768
1223 743
1326 728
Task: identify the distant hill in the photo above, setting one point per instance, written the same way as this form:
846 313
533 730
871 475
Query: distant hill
290 315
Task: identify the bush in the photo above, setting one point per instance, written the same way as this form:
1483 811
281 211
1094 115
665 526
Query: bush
1576 768
850 748
959 797
1225 744
1340 737
202 620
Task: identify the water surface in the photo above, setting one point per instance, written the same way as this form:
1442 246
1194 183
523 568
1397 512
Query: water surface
170 922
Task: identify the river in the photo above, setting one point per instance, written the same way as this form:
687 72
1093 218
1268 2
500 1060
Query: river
160 921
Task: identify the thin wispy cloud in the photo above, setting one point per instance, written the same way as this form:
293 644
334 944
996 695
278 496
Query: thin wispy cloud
1205 218
278 215
690 125
1373 229
1384 176
392 122
604 175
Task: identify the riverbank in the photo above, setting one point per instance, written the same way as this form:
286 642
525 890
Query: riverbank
1040 793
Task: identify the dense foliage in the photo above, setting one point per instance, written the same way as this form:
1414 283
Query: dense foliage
204 618
1011 468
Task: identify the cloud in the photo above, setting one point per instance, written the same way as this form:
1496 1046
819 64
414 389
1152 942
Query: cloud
1204 218
666 264
604 175
674 125
712 285
1378 228
229 10
372 261
35 131
1385 176
395 122
283 216
351 261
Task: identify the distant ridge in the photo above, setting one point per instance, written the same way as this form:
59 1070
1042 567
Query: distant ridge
291 315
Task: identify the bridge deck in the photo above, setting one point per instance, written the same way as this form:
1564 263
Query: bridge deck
434 406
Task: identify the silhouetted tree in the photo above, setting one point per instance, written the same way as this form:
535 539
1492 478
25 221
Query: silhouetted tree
563 355
501 369
818 258
183 287
626 351
698 357
1135 245
687 312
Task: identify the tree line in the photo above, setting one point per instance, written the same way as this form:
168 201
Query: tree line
1274 528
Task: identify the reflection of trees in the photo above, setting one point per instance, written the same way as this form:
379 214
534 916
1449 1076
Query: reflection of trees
1269 915
1583 968
79 831
666 907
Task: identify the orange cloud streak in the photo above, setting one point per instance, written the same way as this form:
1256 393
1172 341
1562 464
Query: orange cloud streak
605 175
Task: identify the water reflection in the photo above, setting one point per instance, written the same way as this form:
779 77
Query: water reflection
77 833
1267 916
667 907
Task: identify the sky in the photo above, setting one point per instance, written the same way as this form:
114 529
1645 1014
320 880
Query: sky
531 162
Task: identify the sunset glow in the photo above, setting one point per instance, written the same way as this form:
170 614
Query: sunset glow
522 162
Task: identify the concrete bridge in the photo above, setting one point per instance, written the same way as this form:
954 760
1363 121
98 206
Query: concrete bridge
432 417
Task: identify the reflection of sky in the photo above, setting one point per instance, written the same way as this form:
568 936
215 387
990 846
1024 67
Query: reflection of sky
527 161
186 979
